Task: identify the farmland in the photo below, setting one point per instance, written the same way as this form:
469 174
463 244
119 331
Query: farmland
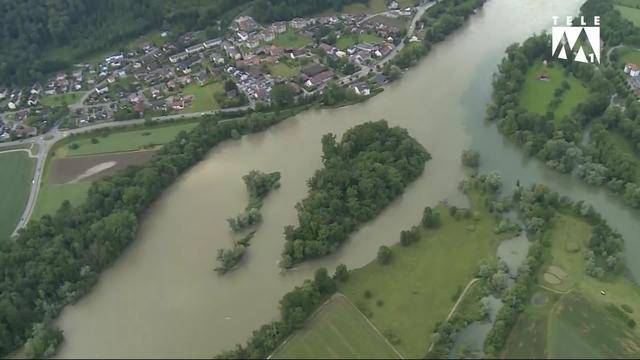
629 10
337 331
17 171
536 94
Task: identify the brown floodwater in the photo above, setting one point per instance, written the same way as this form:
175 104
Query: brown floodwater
161 298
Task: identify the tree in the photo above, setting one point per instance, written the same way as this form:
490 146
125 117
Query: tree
342 274
282 95
430 219
384 255
471 158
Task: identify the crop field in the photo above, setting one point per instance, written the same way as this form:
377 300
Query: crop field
416 289
337 331
51 196
536 94
15 180
121 141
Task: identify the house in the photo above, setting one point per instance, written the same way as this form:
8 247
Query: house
33 101
178 57
279 27
362 89
212 42
319 79
380 79
217 58
244 23
268 35
194 49
102 90
299 23
394 5
366 47
326 48
114 58
252 42
313 69
632 70
177 104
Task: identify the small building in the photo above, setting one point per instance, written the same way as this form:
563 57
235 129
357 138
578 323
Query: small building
362 89
632 70
313 69
178 57
244 23
194 49
102 90
319 79
212 42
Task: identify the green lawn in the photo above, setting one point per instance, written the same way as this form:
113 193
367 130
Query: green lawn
574 322
628 55
204 96
412 293
291 39
337 331
62 99
16 172
125 140
51 197
629 13
347 41
284 70
536 94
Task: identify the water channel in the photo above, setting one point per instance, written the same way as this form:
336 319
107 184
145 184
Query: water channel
162 297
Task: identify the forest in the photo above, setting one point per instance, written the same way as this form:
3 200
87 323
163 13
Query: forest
31 30
362 174
56 259
581 142
276 10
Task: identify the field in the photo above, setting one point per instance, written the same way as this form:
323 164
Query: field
537 94
630 13
125 140
284 70
291 39
52 196
68 99
412 293
15 182
628 55
203 96
567 316
337 331
347 41
86 168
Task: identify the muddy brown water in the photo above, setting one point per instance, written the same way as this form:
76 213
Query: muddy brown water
161 298
68 169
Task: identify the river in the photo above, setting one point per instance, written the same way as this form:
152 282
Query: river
162 297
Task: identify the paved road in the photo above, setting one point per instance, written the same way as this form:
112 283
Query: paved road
45 143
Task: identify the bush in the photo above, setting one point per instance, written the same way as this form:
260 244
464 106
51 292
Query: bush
367 294
342 274
73 146
384 255
94 140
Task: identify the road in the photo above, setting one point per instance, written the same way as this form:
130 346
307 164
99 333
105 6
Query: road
47 141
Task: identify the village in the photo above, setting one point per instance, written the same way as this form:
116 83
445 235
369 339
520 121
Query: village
192 73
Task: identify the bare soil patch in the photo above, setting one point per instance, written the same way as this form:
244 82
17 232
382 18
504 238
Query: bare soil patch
94 167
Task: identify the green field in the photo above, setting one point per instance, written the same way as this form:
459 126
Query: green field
412 293
284 70
204 96
337 331
536 94
15 181
62 99
628 55
347 41
630 13
125 140
51 197
573 321
291 39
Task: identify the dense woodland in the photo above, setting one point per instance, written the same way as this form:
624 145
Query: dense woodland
563 143
275 10
362 174
56 259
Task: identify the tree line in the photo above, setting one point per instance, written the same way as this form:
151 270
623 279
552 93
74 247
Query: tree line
266 11
362 174
56 259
